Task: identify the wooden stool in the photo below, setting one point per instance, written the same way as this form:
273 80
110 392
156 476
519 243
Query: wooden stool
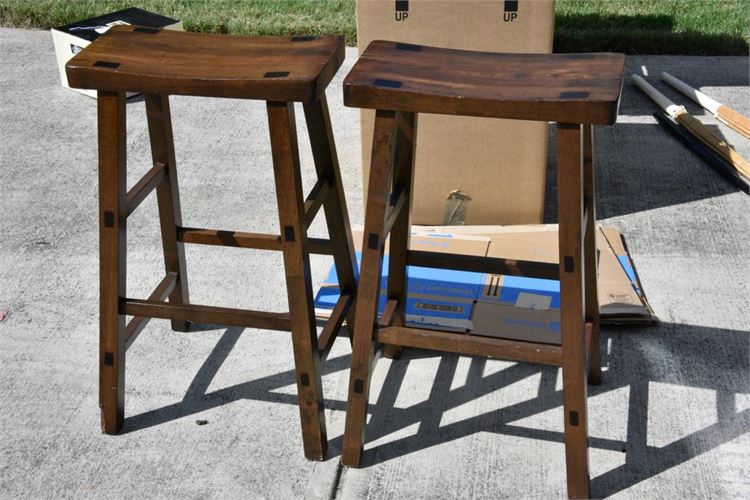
279 70
574 90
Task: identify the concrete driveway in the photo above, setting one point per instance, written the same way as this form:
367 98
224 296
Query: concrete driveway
670 420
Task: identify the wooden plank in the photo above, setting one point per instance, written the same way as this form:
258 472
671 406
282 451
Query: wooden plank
298 278
340 246
160 294
390 311
591 256
168 197
398 221
332 327
257 241
278 68
394 210
472 345
112 255
579 88
480 264
570 210
220 237
318 195
368 292
145 186
261 320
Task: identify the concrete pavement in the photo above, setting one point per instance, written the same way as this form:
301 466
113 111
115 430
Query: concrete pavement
670 420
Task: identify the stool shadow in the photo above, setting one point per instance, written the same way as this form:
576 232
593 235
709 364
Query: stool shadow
680 355
197 399
684 355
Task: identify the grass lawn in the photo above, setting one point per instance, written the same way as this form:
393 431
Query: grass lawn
699 27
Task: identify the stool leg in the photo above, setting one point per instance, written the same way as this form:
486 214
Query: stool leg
368 292
337 216
590 255
570 210
298 279
403 176
168 197
112 253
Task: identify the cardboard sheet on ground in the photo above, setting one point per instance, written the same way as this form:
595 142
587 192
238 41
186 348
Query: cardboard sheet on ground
503 306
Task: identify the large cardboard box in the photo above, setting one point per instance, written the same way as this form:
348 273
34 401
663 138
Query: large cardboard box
493 170
73 38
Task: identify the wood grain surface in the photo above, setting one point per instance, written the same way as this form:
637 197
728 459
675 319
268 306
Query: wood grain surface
573 88
164 61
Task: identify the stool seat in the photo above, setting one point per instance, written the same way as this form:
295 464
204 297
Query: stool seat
570 88
132 58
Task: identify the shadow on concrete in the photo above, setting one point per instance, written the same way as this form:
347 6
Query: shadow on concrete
675 175
675 354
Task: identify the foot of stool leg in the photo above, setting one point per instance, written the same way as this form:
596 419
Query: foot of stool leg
570 210
112 253
298 278
168 196
391 351
369 286
590 256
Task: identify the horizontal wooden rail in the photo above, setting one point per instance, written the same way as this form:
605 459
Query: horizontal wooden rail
319 246
473 345
160 294
229 238
208 314
333 326
258 241
143 187
315 200
491 265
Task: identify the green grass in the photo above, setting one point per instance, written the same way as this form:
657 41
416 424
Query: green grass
699 27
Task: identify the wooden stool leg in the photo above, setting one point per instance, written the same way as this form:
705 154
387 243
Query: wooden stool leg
298 279
337 216
570 209
168 196
112 253
368 292
403 176
590 256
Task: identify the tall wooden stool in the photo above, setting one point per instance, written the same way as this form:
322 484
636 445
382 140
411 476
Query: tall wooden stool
279 70
574 90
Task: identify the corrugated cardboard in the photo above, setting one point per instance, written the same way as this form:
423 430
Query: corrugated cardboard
72 38
439 298
505 306
499 164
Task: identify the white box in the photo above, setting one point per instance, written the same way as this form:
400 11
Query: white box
72 38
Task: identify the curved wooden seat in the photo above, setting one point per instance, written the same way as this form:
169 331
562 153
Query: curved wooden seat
569 88
131 58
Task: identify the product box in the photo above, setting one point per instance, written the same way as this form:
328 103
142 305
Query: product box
520 308
440 298
72 38
468 170
492 305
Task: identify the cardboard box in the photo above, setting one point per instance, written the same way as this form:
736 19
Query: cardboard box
439 298
504 306
529 308
72 38
495 168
